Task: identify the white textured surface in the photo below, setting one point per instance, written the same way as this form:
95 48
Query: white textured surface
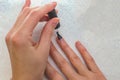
94 22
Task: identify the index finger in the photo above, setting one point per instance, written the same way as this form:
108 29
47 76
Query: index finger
35 15
27 4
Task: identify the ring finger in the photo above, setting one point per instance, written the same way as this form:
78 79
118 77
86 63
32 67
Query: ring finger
52 74
63 65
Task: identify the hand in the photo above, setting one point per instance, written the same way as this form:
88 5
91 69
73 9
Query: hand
78 71
29 58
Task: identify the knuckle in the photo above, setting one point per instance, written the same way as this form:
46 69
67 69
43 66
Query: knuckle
92 76
74 59
53 73
75 77
48 30
97 76
34 13
63 64
90 59
83 49
54 51
7 37
26 9
56 76
14 39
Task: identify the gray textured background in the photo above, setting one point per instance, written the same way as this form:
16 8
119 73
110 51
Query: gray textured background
94 22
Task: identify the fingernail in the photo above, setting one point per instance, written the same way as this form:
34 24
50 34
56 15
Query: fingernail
53 2
58 26
78 43
55 22
59 36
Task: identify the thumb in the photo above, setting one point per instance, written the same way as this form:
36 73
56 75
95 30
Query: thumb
47 32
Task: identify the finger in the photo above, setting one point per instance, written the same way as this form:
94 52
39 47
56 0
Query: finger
23 14
63 65
27 4
52 74
87 57
46 17
35 16
47 32
21 17
74 59
20 20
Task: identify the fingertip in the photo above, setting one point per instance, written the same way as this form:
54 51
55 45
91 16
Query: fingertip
51 5
28 2
56 11
55 21
54 3
77 43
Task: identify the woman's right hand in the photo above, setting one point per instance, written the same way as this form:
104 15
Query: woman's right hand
29 58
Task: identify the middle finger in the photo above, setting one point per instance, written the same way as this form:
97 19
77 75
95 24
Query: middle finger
74 59
64 66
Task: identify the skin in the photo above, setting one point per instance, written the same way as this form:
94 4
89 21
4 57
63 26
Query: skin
29 58
78 70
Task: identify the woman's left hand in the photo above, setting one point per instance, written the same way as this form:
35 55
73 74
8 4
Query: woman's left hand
78 71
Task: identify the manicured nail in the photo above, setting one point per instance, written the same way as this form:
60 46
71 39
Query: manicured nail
58 26
59 36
